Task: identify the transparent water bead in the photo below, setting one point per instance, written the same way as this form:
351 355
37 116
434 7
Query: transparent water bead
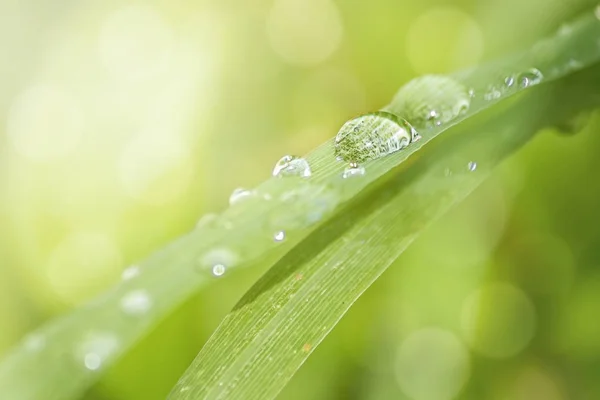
292 166
206 220
431 100
530 77
353 170
130 272
136 302
95 349
372 136
279 236
240 194
218 260
472 166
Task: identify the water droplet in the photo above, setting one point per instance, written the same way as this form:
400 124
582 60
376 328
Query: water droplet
136 302
372 136
509 81
206 220
96 349
471 93
530 77
34 342
218 269
279 236
353 170
239 195
472 166
431 100
493 93
130 272
292 166
218 260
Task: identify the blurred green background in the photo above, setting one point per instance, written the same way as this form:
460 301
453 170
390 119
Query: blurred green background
121 123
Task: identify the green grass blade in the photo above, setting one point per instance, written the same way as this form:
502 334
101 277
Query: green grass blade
68 355
281 320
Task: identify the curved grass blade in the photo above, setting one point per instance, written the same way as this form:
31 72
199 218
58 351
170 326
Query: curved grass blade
68 355
282 319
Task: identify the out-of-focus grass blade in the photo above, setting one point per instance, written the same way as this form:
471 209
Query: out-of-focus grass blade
281 320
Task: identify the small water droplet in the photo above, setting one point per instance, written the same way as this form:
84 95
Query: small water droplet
292 166
206 220
34 342
218 260
130 272
509 81
380 133
239 195
353 170
472 166
279 236
218 269
96 349
530 77
136 302
493 93
471 93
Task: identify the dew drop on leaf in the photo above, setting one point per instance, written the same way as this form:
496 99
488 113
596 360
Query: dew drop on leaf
530 77
292 166
130 272
373 136
472 166
239 195
279 236
353 171
431 100
136 302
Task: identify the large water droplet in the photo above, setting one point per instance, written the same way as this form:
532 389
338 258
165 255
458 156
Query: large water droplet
239 195
218 260
130 272
95 349
136 302
372 136
353 171
530 77
431 100
292 166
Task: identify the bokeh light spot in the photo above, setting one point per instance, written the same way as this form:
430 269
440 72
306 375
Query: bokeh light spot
498 320
44 123
304 32
432 364
155 169
444 39
135 43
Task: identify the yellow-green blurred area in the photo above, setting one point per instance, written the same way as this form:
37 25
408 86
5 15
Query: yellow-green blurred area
121 123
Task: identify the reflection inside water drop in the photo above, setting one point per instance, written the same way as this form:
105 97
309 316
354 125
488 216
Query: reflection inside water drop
218 260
